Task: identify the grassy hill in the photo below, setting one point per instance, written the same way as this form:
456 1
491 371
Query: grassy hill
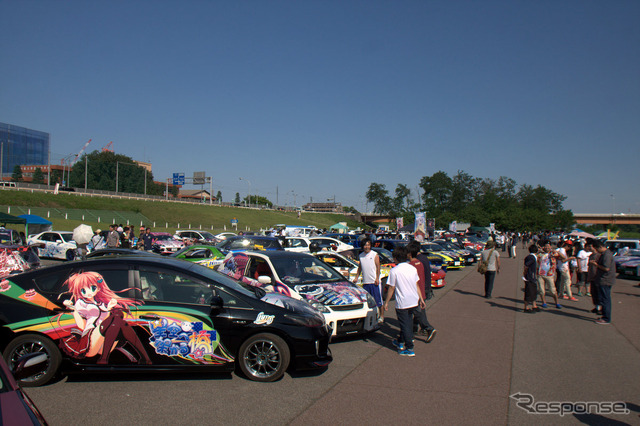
167 216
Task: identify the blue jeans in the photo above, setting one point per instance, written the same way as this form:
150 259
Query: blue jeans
405 317
489 276
604 293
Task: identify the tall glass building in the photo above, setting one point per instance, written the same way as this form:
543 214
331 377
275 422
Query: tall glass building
22 146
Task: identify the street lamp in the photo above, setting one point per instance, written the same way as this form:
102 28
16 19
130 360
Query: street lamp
249 183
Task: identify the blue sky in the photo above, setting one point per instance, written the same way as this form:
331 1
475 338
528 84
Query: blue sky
316 99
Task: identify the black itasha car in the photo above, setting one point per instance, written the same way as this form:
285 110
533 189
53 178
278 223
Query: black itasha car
146 313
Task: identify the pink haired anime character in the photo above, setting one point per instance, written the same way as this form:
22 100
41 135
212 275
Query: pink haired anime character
99 315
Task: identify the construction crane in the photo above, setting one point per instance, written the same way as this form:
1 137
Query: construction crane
107 148
76 157
75 160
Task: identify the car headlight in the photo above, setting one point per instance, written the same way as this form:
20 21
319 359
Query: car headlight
319 306
371 302
307 321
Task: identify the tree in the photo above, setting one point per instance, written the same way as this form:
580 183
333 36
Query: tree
379 196
464 188
219 196
237 198
436 194
17 174
257 199
55 177
38 176
401 201
103 168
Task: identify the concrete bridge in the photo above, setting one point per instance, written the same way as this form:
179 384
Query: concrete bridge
581 218
612 219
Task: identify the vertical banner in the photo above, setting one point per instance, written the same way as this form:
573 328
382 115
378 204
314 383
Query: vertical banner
420 229
431 228
399 223
453 226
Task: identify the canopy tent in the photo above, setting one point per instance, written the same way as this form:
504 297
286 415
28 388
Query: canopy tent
37 224
408 228
478 229
339 226
582 234
7 218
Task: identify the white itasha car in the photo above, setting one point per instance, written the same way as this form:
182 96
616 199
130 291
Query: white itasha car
55 244
301 244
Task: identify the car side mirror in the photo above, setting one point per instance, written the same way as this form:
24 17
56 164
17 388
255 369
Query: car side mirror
216 302
264 279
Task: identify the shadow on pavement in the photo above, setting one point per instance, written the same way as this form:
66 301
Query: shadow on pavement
145 376
468 293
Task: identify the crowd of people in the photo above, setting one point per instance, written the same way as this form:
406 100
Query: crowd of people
122 237
553 271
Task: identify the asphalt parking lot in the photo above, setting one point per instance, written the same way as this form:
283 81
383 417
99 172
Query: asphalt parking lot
485 351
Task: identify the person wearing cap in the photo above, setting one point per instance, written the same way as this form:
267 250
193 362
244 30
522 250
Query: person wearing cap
97 240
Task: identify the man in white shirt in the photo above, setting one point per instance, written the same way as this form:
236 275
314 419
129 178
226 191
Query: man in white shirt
403 282
369 266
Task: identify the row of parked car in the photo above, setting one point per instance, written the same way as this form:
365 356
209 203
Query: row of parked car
256 304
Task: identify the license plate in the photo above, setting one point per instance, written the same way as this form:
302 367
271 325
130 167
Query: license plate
439 282
456 263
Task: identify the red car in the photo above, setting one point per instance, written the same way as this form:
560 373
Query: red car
15 406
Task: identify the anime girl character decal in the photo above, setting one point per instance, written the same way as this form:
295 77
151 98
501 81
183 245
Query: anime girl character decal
99 314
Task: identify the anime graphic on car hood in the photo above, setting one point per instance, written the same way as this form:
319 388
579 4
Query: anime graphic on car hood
342 293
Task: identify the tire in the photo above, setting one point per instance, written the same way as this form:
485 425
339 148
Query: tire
264 357
70 254
34 343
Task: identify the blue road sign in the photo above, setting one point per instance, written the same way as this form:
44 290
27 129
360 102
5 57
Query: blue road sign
178 178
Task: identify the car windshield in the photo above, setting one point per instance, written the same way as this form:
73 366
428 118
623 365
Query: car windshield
67 236
163 237
432 247
238 286
207 235
248 243
304 270
385 255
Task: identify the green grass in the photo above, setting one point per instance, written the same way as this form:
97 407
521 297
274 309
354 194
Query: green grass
163 216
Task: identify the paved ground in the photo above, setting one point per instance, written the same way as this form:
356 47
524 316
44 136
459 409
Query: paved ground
485 351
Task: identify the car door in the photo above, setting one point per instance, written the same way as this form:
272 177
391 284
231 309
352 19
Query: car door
175 309
49 241
101 329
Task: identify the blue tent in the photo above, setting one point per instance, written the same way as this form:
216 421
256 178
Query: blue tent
36 223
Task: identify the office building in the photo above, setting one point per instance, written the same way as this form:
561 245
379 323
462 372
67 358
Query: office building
20 146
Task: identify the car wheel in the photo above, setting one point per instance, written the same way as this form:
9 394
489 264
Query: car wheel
34 343
70 254
264 357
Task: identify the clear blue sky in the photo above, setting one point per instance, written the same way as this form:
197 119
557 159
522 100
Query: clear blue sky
321 98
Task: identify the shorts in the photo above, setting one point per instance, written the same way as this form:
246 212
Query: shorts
582 278
374 291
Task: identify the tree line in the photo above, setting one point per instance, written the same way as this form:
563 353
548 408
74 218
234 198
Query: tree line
479 201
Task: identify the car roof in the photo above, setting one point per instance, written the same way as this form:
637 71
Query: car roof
277 254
